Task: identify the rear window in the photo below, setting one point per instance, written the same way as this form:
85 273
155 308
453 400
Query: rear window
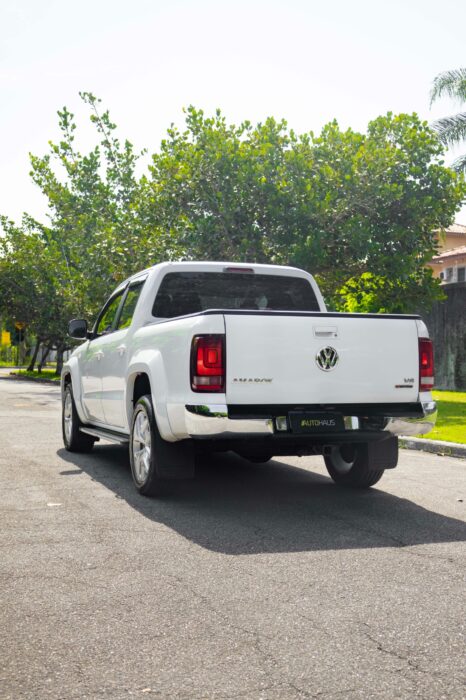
184 293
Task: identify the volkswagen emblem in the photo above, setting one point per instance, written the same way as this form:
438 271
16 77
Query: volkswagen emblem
326 359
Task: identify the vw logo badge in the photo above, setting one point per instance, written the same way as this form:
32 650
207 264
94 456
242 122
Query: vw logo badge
326 359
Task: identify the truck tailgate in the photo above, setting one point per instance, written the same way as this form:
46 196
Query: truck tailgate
272 359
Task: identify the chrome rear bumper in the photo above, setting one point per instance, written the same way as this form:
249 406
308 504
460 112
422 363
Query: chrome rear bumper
213 422
414 426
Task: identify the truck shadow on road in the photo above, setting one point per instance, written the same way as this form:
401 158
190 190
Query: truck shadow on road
235 507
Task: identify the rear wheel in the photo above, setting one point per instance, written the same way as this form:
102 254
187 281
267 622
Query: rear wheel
154 461
349 465
73 439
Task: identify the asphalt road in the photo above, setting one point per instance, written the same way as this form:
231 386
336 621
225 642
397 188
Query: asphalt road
249 582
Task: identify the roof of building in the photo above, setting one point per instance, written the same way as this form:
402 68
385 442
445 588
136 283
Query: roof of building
452 253
456 229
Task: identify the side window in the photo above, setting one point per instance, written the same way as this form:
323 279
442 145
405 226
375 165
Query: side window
108 315
127 312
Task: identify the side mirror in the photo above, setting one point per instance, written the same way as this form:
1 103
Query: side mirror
77 328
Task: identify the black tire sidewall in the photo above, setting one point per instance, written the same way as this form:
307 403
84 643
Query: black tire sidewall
359 476
78 441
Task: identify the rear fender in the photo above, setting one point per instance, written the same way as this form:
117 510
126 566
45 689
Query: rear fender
150 362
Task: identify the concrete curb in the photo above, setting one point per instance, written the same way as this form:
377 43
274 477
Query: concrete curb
37 380
449 449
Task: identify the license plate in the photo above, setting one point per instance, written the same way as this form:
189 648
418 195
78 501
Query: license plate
311 422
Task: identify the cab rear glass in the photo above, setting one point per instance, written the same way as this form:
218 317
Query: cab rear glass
183 293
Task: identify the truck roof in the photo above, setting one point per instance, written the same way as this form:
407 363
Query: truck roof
217 266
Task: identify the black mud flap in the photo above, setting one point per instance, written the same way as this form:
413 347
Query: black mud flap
174 460
382 454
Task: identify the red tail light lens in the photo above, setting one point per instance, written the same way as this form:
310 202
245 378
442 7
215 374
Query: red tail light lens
426 364
208 363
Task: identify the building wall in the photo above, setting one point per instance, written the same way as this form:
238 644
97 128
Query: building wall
447 327
455 263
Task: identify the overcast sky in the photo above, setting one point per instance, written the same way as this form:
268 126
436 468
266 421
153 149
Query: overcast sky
306 61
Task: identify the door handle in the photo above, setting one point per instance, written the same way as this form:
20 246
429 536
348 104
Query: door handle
99 355
121 349
325 331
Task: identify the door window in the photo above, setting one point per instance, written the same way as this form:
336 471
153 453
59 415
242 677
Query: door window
129 305
105 324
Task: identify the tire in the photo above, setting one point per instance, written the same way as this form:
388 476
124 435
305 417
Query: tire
349 465
73 439
154 461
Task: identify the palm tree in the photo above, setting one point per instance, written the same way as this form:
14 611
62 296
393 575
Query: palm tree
451 130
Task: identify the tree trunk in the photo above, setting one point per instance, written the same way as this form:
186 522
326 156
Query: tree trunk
21 353
44 357
34 356
60 351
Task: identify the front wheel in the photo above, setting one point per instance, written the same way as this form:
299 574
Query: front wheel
73 439
349 465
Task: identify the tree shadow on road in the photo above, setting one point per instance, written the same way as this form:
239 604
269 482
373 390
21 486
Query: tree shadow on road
236 507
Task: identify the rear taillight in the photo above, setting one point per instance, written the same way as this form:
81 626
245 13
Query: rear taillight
208 363
426 364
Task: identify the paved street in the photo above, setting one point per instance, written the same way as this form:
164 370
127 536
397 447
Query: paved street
250 582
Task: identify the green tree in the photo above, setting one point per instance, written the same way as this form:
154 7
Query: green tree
452 129
32 289
341 204
92 202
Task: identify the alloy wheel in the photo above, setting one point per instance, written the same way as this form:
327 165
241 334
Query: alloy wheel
68 416
141 446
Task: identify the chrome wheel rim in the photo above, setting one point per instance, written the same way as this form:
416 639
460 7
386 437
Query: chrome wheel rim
342 463
141 446
68 416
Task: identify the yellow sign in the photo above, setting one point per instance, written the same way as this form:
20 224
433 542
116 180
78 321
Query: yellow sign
19 325
6 338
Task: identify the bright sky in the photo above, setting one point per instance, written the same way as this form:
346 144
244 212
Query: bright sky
308 61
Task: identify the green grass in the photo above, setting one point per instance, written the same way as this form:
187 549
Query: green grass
45 374
451 421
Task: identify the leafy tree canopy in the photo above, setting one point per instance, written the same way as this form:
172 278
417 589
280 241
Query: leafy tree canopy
341 204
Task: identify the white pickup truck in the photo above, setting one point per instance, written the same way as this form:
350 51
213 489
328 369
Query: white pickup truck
191 357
